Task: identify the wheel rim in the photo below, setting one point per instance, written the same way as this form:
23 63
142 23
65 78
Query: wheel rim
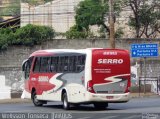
65 102
35 99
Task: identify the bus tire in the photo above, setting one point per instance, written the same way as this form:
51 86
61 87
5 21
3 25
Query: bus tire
66 104
100 105
35 101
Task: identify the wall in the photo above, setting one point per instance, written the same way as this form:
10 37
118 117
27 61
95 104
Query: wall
4 90
58 14
11 60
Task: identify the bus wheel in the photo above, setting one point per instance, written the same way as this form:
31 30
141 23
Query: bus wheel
100 105
66 104
35 101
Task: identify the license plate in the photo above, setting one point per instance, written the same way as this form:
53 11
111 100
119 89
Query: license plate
109 97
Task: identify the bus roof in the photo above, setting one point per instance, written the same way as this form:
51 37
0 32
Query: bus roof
51 51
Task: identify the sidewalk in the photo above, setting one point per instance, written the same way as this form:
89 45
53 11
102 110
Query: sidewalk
137 95
14 100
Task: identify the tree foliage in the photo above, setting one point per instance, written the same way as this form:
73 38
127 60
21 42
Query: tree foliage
6 37
28 35
33 34
92 12
146 17
75 32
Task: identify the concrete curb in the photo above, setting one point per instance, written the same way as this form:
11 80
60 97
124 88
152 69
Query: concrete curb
14 100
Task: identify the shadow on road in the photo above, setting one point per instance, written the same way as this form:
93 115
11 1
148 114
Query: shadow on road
78 108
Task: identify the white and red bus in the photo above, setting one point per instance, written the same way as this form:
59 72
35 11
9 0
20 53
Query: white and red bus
83 76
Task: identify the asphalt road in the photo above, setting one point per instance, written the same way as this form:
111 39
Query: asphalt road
137 108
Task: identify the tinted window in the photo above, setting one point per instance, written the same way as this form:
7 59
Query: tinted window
80 63
60 64
54 64
45 64
72 62
37 64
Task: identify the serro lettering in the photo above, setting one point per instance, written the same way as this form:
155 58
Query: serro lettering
43 79
110 61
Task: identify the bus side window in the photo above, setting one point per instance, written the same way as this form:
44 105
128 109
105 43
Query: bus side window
72 64
80 63
83 59
45 64
83 62
36 64
66 64
54 64
60 64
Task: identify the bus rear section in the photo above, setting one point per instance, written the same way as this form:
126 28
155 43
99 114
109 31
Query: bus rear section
110 76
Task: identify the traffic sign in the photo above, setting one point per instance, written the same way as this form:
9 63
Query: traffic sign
144 50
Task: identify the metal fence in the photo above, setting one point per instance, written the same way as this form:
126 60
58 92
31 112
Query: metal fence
149 84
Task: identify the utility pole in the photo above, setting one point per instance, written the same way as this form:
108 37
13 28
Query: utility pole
111 24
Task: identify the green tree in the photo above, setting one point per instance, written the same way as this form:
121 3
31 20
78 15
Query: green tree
28 35
146 17
33 34
92 12
6 38
76 32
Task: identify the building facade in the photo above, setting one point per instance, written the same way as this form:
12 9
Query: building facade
59 14
4 4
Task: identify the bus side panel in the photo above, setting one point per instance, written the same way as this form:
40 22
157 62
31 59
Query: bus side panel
54 92
73 83
75 86
40 81
49 85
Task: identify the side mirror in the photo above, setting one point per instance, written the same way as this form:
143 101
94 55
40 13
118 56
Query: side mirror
24 64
